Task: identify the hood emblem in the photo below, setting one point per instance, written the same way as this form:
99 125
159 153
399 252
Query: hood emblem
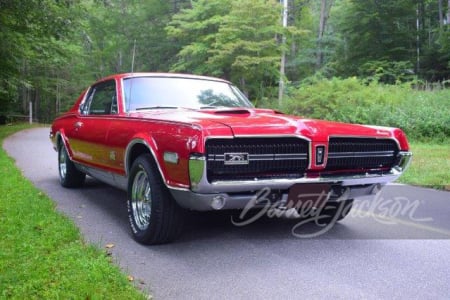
236 158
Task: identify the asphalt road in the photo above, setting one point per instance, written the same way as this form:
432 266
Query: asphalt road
396 246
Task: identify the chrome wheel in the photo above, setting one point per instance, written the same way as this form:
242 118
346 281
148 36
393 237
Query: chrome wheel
141 200
62 163
153 214
69 175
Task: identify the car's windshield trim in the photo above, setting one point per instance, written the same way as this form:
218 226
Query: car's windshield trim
232 95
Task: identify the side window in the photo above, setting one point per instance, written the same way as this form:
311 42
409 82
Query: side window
101 100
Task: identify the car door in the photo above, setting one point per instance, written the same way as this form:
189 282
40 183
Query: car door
91 127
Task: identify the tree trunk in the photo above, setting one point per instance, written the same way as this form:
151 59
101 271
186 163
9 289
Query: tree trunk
119 62
448 13
324 14
243 86
37 104
441 16
283 54
58 98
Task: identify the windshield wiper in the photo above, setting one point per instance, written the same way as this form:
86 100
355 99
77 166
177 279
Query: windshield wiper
157 107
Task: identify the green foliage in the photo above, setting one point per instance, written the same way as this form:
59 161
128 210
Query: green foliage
42 254
424 115
34 45
435 63
374 31
390 72
305 48
231 39
117 30
245 45
194 30
51 50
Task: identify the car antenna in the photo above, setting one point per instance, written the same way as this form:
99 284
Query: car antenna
134 54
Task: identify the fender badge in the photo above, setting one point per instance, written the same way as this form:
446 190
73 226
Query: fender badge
112 155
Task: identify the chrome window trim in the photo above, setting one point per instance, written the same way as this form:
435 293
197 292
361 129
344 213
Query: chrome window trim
134 75
83 101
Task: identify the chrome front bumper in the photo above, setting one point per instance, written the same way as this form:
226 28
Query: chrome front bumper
205 195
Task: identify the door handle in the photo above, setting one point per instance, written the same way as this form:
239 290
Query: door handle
78 124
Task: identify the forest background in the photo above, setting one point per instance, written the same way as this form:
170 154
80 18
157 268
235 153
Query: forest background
360 61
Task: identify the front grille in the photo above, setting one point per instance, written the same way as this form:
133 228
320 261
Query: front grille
256 158
361 154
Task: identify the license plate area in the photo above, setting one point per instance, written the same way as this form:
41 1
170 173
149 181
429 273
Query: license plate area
313 196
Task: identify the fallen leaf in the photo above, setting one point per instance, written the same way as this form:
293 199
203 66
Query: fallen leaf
130 278
109 246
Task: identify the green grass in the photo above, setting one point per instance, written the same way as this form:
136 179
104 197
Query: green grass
42 255
430 166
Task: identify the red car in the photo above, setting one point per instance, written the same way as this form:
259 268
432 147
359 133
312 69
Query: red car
180 142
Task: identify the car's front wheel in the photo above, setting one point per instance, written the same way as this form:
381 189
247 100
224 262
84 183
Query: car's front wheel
69 175
153 214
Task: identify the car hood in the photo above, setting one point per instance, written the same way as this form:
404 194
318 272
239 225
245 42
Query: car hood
245 122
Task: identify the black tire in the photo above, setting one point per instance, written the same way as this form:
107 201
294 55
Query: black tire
153 214
69 175
335 211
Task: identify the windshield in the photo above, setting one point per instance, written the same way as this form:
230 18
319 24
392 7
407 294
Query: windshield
173 92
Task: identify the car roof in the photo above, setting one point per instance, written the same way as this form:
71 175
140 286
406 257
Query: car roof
161 75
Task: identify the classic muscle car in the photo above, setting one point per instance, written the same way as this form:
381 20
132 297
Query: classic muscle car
180 142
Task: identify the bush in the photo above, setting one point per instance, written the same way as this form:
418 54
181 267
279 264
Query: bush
423 115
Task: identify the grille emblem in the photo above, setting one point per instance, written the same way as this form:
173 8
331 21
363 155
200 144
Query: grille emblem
236 159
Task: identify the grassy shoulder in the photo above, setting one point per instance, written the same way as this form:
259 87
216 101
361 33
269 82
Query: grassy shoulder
430 165
42 253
